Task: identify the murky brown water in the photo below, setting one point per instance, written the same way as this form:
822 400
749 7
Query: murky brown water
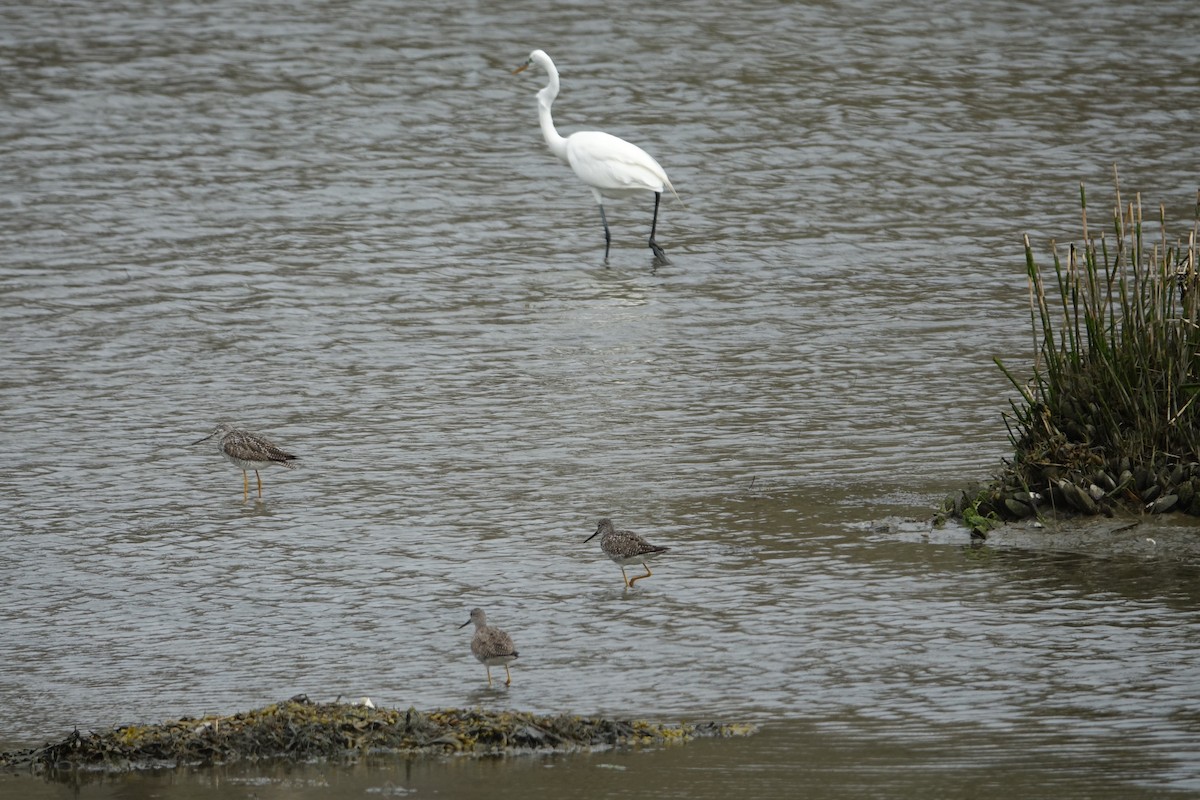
337 224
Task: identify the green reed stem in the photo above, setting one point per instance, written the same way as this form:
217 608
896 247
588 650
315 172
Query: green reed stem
1117 352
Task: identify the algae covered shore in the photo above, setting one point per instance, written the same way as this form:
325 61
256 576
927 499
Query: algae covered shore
300 729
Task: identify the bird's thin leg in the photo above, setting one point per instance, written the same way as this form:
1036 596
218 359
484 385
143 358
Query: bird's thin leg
245 486
259 484
623 575
489 672
659 253
639 577
607 235
507 682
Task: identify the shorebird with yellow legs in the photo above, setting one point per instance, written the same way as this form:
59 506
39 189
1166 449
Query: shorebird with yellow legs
626 548
248 451
492 646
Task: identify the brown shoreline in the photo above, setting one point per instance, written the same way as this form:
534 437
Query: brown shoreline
299 729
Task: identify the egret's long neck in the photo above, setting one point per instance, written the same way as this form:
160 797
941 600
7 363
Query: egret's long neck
556 143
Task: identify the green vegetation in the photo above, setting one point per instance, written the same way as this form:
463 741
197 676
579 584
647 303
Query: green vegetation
1108 420
979 522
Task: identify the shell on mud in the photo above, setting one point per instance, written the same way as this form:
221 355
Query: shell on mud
1163 504
1077 498
1143 478
1017 508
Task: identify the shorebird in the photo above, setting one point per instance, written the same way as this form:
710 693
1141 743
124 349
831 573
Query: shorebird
248 451
625 548
491 645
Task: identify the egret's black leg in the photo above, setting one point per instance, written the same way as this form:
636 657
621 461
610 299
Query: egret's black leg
660 255
607 235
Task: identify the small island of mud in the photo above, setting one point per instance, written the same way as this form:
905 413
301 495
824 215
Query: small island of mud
299 729
1108 423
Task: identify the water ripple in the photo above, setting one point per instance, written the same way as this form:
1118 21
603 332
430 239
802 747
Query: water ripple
338 225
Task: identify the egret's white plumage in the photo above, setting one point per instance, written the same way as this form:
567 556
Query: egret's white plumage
611 166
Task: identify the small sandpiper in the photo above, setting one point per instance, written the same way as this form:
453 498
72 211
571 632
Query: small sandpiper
626 548
491 645
248 451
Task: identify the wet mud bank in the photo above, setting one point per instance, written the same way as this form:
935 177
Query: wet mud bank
301 730
1089 487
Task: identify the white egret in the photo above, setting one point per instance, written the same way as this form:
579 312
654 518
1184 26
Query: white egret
612 167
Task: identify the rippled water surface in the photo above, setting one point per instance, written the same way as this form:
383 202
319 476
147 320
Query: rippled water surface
337 224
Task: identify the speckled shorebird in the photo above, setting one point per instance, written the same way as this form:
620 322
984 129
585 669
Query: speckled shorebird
491 645
625 548
248 451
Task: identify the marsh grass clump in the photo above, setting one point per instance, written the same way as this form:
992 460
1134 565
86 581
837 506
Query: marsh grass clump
1108 419
299 729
